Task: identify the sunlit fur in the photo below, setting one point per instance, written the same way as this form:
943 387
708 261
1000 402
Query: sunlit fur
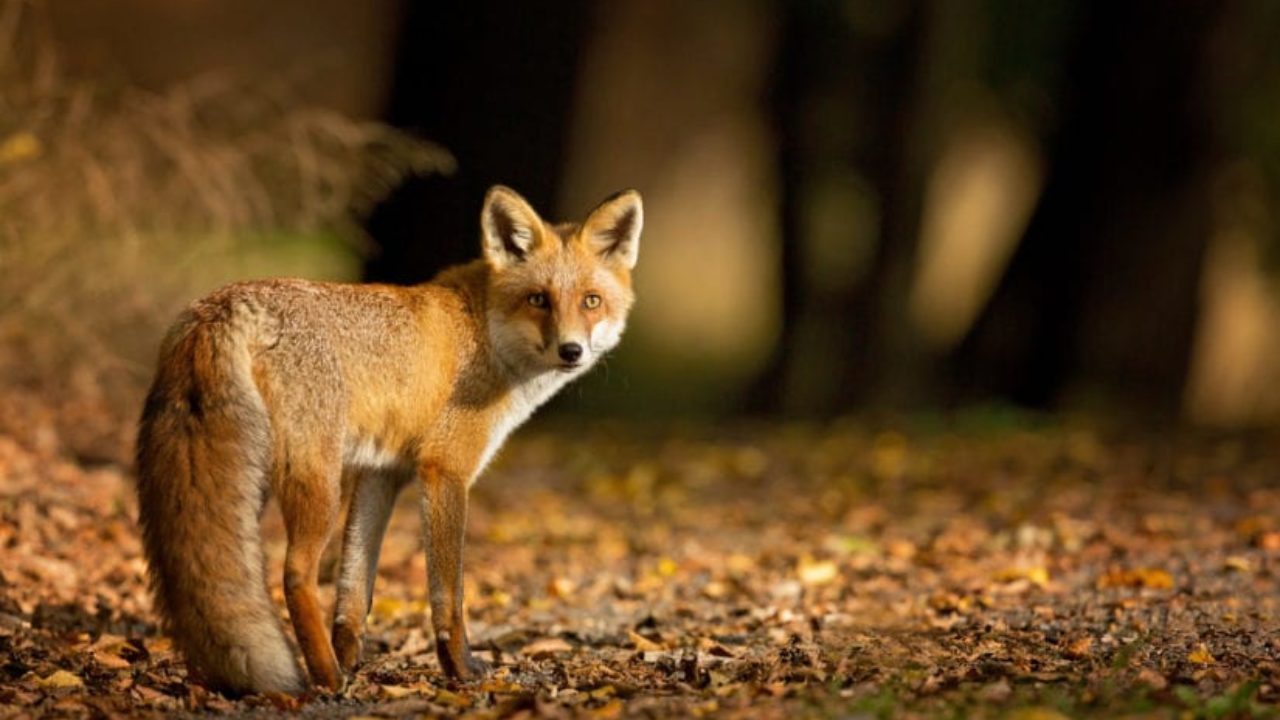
324 393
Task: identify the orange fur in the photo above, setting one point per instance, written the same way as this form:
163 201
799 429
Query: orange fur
323 392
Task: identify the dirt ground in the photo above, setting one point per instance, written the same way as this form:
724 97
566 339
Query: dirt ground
1024 570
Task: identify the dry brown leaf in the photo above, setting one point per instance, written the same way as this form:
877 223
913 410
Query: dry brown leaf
545 647
1079 648
1152 679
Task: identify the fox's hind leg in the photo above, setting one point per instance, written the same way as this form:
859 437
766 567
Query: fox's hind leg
310 501
372 499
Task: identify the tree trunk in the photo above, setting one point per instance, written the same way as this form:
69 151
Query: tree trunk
1100 298
492 81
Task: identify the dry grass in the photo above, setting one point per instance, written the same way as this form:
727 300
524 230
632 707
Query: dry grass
119 205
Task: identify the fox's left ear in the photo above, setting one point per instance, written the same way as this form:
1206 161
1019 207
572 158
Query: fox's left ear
613 228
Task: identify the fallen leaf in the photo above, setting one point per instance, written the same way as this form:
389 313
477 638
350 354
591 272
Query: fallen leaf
452 699
1269 540
611 709
715 590
1201 656
58 680
561 587
641 642
1153 578
22 145
1079 648
1037 575
395 692
1239 563
546 647
1036 713
813 572
1152 679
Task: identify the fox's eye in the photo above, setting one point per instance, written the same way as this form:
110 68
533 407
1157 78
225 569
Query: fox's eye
591 302
538 299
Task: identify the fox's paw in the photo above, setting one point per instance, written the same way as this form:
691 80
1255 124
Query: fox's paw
466 667
348 645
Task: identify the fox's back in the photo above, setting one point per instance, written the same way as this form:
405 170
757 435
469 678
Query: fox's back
373 358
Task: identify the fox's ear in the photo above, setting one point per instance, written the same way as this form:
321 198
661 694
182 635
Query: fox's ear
509 227
613 228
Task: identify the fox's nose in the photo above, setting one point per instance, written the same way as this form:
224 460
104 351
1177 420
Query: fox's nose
570 352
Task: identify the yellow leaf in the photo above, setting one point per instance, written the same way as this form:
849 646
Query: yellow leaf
395 692
1201 656
817 572
500 685
611 709
1038 576
451 699
1153 578
546 646
706 708
604 692
1238 563
714 590
740 564
388 608
59 679
642 643
561 587
667 567
20 146
1036 713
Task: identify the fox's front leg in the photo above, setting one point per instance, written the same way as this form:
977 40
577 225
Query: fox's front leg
444 513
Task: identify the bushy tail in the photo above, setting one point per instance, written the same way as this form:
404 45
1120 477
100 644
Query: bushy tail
203 463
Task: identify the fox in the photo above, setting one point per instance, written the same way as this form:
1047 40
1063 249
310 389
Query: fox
324 395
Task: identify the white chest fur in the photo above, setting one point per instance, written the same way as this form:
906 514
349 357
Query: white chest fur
523 400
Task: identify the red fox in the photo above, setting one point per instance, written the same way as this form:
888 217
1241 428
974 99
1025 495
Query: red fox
325 393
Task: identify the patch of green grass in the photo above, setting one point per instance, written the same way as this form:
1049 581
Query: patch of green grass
1238 702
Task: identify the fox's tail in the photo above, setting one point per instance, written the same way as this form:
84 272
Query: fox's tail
203 462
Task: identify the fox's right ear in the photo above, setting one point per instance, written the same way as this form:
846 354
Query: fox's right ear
509 227
613 228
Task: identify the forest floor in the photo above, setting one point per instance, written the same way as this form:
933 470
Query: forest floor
1031 570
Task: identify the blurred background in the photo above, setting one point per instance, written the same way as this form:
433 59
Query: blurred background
851 206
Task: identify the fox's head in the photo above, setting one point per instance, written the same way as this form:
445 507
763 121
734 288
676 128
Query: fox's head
560 293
